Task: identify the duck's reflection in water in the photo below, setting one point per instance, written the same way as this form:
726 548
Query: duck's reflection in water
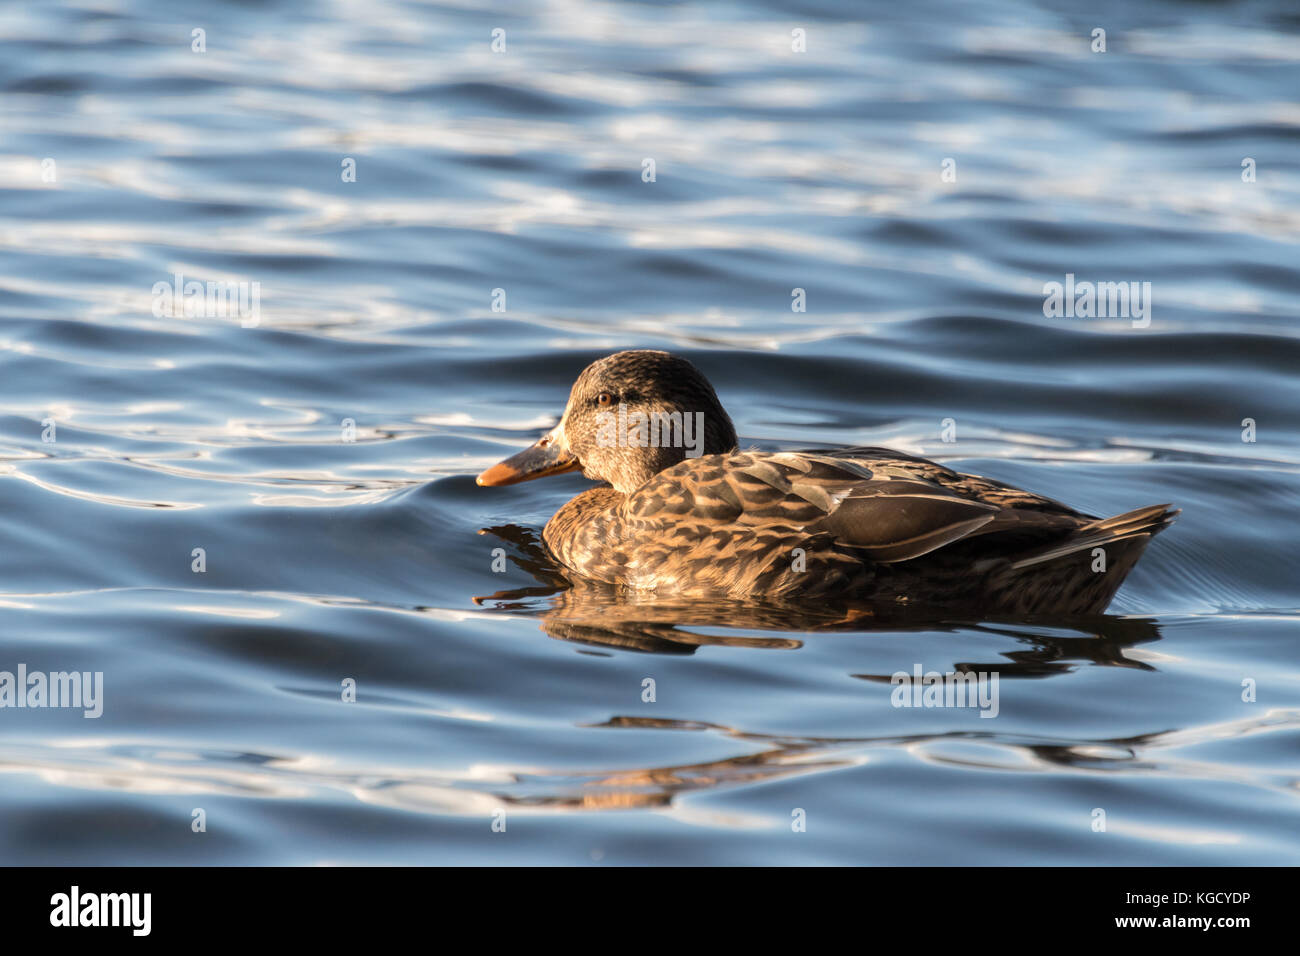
656 786
1155 753
607 618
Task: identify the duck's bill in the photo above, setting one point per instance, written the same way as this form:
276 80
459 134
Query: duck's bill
545 457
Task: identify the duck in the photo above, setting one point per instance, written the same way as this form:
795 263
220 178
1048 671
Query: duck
682 511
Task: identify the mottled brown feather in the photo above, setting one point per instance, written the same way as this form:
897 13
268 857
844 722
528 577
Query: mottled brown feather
864 522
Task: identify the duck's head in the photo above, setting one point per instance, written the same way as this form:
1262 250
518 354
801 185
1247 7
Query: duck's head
630 415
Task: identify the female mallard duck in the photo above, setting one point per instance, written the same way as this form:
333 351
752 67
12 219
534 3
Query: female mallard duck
685 513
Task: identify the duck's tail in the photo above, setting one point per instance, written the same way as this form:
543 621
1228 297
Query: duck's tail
1142 523
1080 574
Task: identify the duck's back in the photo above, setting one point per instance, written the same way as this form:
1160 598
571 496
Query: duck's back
867 523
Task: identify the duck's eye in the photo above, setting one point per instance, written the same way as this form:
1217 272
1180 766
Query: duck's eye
604 398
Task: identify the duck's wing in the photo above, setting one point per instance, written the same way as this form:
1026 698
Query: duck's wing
884 462
889 507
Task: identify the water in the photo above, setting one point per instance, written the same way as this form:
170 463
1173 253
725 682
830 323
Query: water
480 691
